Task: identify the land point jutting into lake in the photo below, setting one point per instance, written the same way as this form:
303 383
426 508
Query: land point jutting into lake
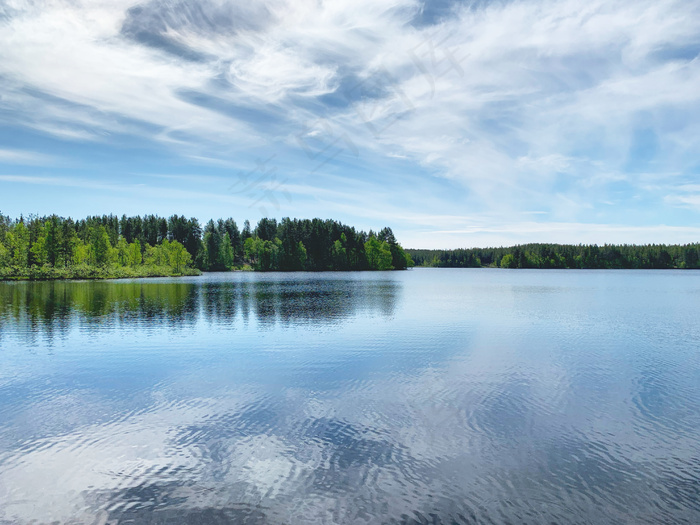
111 247
107 247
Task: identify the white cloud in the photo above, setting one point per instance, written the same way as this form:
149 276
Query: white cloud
520 105
498 233
30 158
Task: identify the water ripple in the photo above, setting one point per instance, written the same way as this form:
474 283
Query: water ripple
422 397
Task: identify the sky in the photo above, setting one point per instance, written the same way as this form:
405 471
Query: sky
456 123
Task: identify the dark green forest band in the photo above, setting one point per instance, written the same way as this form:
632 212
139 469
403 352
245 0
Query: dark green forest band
609 256
111 247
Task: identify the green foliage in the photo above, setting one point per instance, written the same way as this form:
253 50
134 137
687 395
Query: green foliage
508 261
4 255
19 244
80 253
250 249
100 246
122 252
263 255
108 246
135 258
340 254
227 252
53 234
56 248
38 249
378 254
316 245
651 256
178 257
212 248
87 271
399 258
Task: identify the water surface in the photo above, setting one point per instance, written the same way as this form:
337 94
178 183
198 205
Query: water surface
426 396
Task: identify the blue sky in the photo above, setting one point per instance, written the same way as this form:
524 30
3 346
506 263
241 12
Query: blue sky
456 123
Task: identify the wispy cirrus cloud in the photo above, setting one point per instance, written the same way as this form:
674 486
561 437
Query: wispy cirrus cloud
29 158
495 107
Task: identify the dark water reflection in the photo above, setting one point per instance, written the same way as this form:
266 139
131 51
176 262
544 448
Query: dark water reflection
429 396
52 308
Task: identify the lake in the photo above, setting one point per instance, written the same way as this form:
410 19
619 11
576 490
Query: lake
441 396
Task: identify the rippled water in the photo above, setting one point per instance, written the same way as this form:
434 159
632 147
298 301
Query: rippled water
427 396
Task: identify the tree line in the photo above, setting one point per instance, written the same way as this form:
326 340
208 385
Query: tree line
110 246
608 256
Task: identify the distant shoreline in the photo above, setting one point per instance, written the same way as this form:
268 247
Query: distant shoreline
565 257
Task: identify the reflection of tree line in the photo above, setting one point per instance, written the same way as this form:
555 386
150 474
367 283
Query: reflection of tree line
56 305
289 303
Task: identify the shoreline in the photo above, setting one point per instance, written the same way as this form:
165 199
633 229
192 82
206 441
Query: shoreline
194 273
200 273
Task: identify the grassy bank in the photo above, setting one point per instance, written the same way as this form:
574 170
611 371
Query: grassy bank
85 271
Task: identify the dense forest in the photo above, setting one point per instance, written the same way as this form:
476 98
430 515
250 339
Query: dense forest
110 247
608 256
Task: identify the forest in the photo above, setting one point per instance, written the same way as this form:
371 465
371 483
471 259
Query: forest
108 246
591 256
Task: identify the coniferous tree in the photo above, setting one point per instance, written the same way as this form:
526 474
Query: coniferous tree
150 245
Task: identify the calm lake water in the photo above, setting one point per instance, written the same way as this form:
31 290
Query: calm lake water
427 396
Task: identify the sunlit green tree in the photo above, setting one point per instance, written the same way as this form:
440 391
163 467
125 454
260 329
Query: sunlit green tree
122 248
134 252
19 243
378 254
100 246
227 253
179 257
